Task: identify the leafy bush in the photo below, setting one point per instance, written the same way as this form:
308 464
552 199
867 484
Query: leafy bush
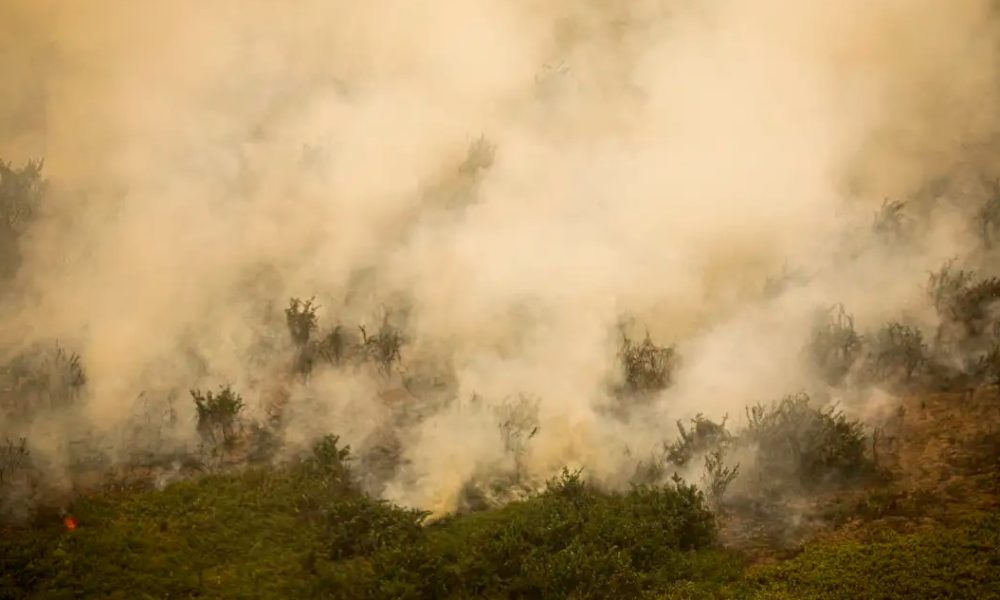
239 534
959 562
361 526
570 541
218 415
835 346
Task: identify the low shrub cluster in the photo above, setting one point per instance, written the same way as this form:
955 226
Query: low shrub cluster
306 530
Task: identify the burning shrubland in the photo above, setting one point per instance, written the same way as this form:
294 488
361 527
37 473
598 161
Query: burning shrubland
489 299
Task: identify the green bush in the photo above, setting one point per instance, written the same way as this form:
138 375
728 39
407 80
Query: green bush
570 541
958 562
218 416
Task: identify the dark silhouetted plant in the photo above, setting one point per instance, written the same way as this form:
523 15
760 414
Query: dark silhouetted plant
890 221
897 350
799 442
218 415
647 368
835 345
21 190
382 348
703 436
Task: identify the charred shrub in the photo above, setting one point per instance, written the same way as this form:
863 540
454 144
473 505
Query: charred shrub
647 368
43 377
703 436
383 347
338 347
14 458
968 307
987 366
890 222
988 216
300 316
896 352
835 345
218 416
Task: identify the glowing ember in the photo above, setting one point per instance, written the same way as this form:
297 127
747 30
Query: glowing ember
69 522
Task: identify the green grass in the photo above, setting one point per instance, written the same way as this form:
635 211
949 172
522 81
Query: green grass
305 531
961 561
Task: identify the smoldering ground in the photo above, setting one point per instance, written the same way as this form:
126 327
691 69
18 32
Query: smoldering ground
504 182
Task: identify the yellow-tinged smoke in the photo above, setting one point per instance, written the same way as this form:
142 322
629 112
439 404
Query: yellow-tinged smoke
656 158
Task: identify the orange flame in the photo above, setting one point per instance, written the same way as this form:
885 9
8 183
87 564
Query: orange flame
69 522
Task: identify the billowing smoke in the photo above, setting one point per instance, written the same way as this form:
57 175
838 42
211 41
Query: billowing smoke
506 184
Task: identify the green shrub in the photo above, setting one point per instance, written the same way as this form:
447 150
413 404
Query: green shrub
361 526
958 562
569 541
218 415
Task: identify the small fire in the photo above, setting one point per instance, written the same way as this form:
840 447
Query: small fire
69 522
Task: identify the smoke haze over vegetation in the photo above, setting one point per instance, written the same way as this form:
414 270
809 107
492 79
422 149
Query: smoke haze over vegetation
519 237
